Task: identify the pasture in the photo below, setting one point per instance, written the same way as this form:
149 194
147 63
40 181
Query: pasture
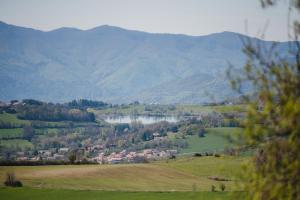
182 174
215 139
12 119
55 194
16 144
11 133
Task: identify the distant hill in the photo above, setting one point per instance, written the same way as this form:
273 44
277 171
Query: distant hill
116 65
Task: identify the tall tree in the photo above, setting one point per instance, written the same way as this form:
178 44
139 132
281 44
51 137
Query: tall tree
273 117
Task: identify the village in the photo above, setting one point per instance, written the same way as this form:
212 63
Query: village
80 155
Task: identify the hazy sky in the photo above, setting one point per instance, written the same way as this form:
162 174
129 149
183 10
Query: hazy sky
192 17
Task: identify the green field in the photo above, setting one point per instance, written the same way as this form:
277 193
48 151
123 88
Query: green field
215 140
16 144
182 174
179 109
219 108
182 178
12 118
51 194
229 167
125 111
11 133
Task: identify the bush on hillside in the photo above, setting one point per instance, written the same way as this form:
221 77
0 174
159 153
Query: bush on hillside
11 180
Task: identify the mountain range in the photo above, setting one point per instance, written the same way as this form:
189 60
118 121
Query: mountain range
117 65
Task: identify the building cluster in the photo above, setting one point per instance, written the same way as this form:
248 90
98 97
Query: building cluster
134 157
62 154
52 154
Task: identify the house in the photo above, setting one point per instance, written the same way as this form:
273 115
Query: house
172 152
20 153
131 155
100 159
58 156
156 135
50 158
3 104
45 153
63 150
97 147
147 151
123 153
163 154
22 158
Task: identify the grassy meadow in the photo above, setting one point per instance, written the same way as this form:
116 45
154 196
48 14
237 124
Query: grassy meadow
16 144
11 133
179 109
216 139
54 194
12 118
183 174
181 178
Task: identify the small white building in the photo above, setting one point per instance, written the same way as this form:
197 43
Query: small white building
63 150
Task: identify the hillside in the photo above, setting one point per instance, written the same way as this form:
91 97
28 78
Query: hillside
116 65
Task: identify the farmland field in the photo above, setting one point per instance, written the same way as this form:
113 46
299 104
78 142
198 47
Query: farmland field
12 118
16 143
54 194
182 178
191 109
11 133
215 140
183 174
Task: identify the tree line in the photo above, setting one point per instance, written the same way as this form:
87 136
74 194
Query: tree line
35 110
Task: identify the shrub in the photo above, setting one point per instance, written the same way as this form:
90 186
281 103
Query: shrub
208 154
215 178
12 181
197 154
72 158
213 188
222 187
217 155
194 187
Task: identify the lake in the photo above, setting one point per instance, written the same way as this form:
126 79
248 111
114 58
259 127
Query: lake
142 119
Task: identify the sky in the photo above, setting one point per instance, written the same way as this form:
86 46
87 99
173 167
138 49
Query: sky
191 17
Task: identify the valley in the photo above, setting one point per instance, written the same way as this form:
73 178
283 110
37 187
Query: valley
136 150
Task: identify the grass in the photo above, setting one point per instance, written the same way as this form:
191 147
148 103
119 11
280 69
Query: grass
178 175
191 109
201 108
216 139
50 194
182 178
225 166
140 109
12 118
15 144
11 133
